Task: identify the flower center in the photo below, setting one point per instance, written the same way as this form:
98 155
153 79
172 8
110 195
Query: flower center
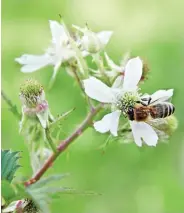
31 93
129 99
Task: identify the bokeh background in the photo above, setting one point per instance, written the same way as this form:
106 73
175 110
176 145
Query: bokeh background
130 179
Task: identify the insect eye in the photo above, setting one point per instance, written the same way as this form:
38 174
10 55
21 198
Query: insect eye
130 110
131 113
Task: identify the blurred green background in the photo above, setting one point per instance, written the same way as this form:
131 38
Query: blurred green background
131 179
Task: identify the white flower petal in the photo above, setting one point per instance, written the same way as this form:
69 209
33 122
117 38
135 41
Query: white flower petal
53 78
104 36
58 32
143 131
115 122
103 125
133 73
161 95
108 123
99 91
118 83
33 62
136 133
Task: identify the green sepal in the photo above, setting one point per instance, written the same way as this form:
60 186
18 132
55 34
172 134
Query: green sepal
43 118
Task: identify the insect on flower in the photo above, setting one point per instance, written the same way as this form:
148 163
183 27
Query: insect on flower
125 99
152 110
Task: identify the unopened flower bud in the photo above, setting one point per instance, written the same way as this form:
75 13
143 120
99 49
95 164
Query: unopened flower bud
93 42
31 93
32 96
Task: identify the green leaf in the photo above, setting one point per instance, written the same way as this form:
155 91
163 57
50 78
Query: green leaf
21 191
43 191
7 190
9 164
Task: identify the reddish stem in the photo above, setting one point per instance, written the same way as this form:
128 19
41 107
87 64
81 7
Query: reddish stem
64 144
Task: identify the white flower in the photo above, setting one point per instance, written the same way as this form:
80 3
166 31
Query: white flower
93 42
59 52
97 90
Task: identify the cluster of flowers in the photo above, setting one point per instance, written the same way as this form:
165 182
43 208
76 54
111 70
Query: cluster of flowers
111 84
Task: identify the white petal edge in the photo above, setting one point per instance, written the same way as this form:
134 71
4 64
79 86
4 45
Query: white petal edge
161 95
32 63
109 122
58 32
99 91
143 131
133 73
118 83
104 36
115 122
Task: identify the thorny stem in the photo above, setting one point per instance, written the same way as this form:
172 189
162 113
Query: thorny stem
64 144
13 107
73 68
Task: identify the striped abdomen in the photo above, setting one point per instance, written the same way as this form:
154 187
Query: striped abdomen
162 110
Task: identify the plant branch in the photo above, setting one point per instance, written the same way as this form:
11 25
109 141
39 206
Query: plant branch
73 68
64 144
13 107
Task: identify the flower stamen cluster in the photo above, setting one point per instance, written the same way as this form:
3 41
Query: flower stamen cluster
31 93
128 99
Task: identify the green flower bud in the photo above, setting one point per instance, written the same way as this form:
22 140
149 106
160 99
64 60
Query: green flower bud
91 43
31 93
35 106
